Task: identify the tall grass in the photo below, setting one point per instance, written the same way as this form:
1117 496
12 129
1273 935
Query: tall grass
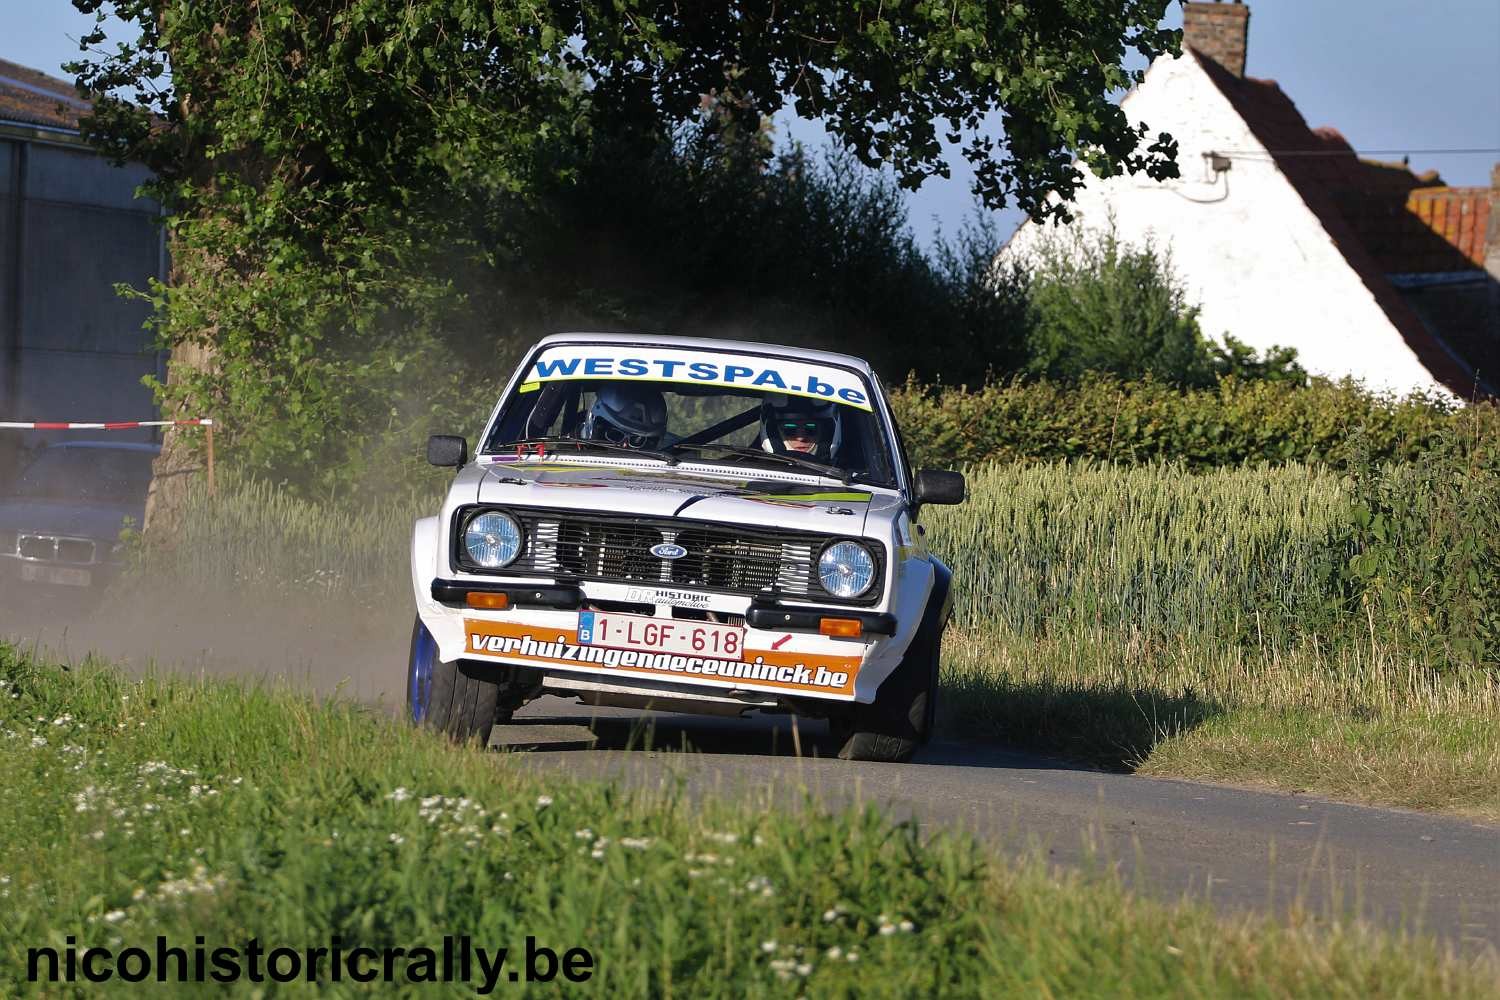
1228 554
258 541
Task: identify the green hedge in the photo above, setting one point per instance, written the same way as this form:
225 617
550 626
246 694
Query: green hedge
1336 424
1427 565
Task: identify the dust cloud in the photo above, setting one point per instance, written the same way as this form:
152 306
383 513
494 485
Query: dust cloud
317 645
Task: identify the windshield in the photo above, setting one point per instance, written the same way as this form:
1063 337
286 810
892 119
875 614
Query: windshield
703 406
87 475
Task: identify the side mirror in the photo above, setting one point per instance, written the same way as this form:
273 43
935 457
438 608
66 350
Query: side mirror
447 451
935 486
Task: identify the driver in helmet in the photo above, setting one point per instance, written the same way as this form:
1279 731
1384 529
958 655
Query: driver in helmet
625 414
792 425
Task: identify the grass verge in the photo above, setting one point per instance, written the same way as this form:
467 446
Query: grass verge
190 808
1349 722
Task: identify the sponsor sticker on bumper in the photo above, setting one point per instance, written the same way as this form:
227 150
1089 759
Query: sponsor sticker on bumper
828 675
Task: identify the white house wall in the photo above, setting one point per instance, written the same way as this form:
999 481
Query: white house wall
1249 251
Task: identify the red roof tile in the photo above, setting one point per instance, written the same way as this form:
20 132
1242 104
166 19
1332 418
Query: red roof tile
1459 216
34 98
1362 207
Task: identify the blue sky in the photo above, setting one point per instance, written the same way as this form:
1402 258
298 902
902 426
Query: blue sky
1388 74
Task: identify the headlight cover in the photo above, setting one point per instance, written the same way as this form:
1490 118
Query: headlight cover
492 539
846 569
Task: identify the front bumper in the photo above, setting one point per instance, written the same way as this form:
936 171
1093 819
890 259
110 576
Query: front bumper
42 574
781 658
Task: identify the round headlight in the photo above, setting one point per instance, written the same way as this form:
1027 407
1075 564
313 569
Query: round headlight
846 569
493 539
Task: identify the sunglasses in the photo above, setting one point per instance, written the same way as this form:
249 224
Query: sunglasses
797 428
616 436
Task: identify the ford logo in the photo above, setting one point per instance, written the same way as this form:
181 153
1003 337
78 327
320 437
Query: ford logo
668 550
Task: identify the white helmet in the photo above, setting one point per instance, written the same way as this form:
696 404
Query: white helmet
793 425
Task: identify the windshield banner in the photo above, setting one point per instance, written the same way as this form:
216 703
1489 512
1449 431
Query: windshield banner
719 368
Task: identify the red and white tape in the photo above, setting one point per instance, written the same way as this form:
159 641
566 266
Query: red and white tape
117 425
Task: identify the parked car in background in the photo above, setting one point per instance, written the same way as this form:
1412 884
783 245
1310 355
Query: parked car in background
60 520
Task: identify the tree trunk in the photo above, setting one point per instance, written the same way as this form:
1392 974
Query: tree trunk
181 459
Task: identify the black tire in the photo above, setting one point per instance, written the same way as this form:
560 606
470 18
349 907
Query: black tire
456 697
902 716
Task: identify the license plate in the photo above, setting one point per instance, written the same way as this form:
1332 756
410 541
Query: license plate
60 575
665 635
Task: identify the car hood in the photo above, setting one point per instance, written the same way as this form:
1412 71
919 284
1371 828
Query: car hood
765 501
97 521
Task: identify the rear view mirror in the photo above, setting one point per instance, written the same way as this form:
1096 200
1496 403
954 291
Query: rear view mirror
937 486
447 451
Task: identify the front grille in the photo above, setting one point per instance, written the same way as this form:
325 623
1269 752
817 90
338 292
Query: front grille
720 557
732 560
49 548
607 552
72 550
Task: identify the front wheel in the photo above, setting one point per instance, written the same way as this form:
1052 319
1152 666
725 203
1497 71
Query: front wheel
904 711
456 697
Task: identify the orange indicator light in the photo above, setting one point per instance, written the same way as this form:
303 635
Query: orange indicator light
489 602
845 627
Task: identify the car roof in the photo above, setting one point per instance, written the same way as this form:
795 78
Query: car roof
154 449
711 344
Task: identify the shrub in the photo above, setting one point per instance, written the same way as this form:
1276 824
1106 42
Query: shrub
1097 304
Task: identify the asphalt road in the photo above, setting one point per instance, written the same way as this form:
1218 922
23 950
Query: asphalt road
1239 849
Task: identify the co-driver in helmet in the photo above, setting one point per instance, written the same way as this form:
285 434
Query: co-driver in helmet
792 425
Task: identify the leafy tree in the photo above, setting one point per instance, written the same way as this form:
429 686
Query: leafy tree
328 166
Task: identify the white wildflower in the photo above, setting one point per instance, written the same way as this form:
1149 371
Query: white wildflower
543 801
759 884
835 953
584 834
635 843
906 926
396 838
399 795
114 916
768 946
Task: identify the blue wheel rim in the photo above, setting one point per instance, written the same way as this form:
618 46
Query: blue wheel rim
419 672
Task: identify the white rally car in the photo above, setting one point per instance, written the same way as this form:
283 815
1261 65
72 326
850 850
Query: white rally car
687 525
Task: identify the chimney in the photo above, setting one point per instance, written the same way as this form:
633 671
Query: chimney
1217 31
